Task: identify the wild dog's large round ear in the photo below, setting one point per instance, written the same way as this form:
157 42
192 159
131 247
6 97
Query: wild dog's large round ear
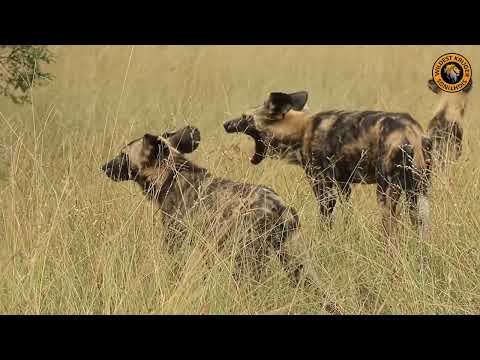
299 100
185 140
279 103
433 86
154 147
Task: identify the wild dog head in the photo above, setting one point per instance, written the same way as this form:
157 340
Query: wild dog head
150 149
277 126
435 89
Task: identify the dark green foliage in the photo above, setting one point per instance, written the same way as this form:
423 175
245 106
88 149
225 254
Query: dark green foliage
21 66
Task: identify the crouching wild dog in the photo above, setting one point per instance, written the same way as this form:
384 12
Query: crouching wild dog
340 148
180 188
445 128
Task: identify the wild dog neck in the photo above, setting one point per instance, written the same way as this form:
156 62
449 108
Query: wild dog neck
159 179
287 136
452 105
291 127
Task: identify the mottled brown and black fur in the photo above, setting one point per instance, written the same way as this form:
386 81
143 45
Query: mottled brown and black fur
180 188
341 148
445 129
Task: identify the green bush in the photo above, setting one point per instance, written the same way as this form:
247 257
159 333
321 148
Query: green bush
21 67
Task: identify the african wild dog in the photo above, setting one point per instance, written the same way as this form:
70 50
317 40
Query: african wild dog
445 128
340 148
180 188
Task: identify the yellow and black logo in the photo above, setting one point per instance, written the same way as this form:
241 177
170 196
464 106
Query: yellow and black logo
452 72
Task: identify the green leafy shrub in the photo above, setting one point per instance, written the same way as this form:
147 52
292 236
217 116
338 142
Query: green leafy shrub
21 67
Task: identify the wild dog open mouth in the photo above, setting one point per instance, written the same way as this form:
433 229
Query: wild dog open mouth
244 125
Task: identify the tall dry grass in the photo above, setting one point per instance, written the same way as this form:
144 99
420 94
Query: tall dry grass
72 241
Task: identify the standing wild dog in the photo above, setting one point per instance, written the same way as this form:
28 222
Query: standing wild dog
340 148
445 128
180 188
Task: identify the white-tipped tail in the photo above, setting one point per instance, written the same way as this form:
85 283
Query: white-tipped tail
424 215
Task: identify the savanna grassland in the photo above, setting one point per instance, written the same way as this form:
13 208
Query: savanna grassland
74 242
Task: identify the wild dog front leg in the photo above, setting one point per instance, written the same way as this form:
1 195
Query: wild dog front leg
326 196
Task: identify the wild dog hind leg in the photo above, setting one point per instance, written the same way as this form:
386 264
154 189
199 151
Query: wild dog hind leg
388 195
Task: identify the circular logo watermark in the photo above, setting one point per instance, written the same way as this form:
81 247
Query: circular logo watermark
452 72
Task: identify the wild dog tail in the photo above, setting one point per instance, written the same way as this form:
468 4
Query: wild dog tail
417 154
416 163
416 176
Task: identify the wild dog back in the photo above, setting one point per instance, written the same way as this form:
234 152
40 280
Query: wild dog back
352 147
181 189
340 148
